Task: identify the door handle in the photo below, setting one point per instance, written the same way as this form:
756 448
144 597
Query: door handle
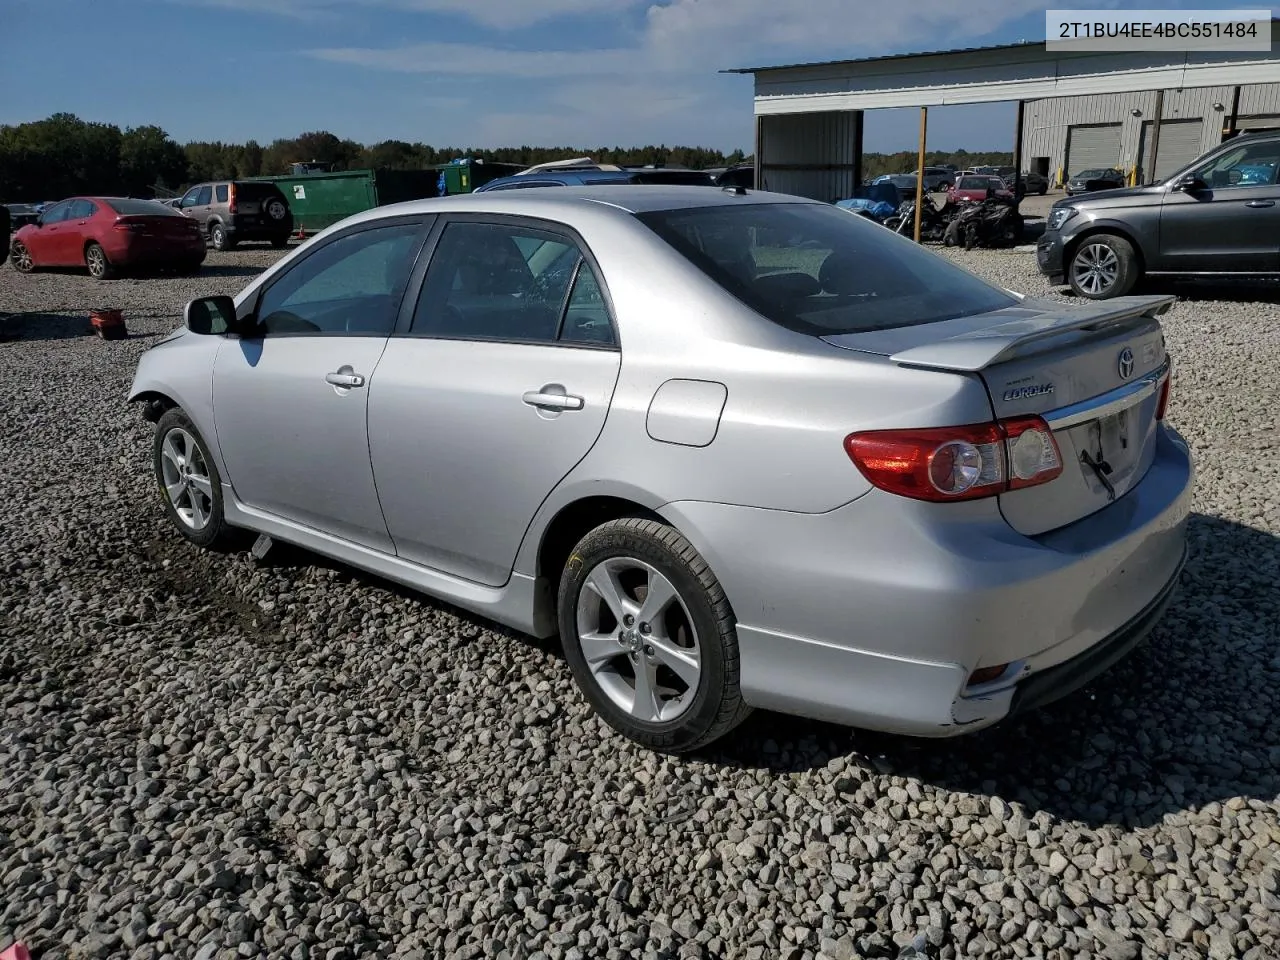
1261 203
341 379
552 401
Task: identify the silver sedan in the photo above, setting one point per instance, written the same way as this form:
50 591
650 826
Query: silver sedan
738 449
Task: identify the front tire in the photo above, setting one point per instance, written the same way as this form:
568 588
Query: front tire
650 636
96 262
189 482
1103 266
219 238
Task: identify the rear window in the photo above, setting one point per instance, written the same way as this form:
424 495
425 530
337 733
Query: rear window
141 208
820 270
675 177
974 183
257 191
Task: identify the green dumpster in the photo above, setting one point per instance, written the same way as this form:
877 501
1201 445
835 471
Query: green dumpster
321 199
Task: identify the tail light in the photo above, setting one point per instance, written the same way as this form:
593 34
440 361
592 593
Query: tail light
132 226
1163 403
941 464
231 198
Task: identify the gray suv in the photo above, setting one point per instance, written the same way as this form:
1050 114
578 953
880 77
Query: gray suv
1218 216
233 210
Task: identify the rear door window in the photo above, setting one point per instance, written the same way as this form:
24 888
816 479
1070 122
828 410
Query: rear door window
513 283
820 270
204 196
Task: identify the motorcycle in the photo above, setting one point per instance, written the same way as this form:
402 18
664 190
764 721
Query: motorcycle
993 222
933 221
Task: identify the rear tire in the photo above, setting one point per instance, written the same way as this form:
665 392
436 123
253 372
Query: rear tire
22 261
189 482
621 649
96 262
1103 266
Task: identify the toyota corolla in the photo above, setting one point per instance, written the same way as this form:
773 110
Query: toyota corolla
738 449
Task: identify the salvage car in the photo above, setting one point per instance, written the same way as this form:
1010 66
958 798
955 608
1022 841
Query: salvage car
1217 217
107 235
737 449
978 188
1088 181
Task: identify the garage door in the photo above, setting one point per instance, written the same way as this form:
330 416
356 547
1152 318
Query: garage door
1179 145
1258 123
1093 146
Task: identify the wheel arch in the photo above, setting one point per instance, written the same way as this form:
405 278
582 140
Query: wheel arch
575 520
1101 227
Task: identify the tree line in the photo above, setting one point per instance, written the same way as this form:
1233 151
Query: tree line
64 155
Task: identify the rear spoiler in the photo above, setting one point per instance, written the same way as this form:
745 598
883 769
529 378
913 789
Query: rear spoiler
979 349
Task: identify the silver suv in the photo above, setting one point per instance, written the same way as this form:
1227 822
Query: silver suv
233 210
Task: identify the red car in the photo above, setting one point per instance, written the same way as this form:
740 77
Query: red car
109 234
975 188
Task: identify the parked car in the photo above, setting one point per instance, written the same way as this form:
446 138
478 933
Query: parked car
976 188
1095 179
1032 182
107 235
596 360
6 229
903 182
231 211
936 178
1219 216
582 176
20 214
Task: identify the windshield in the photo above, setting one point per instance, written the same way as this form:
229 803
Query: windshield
141 208
820 270
974 183
1088 174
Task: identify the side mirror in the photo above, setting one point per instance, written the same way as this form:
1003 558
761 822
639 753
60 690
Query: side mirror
1190 184
212 316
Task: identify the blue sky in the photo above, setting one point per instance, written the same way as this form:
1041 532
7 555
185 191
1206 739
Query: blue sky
477 72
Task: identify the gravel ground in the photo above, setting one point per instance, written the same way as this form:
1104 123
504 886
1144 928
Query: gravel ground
203 756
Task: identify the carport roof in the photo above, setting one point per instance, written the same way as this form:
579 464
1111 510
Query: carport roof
1026 70
888 56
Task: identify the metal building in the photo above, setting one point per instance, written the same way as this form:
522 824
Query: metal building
1065 135
1075 107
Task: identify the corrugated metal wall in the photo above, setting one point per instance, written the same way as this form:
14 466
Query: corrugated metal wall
1046 125
809 154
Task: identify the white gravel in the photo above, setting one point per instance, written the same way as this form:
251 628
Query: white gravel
205 757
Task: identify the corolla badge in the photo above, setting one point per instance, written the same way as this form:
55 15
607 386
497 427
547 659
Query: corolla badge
1125 363
1026 391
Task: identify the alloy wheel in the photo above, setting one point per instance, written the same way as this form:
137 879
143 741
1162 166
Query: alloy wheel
186 478
638 639
96 261
22 261
1095 268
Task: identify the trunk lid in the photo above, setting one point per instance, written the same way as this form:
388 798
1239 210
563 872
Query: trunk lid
1093 372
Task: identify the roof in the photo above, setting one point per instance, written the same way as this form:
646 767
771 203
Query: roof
629 198
1021 45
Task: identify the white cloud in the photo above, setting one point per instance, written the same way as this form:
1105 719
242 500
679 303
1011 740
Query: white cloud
513 15
460 59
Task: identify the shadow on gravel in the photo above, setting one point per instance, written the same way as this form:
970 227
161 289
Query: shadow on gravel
1188 719
1231 291
1191 717
52 326
228 270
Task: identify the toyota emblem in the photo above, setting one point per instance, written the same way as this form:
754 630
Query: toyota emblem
1126 363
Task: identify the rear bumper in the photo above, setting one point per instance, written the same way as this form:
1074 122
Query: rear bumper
150 251
875 615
